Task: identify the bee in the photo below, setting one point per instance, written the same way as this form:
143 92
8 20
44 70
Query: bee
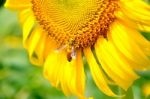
71 54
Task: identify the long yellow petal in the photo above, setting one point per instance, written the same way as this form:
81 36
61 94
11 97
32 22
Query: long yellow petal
36 46
80 73
97 73
53 66
112 62
137 10
27 28
127 46
33 40
64 74
130 23
69 77
133 30
73 81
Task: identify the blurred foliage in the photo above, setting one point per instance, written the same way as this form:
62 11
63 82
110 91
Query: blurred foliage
21 80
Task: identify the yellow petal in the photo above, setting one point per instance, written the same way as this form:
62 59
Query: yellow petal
36 46
97 73
131 28
114 65
137 10
39 51
64 74
53 66
18 4
34 39
73 81
27 28
144 28
24 14
80 73
69 77
129 47
130 23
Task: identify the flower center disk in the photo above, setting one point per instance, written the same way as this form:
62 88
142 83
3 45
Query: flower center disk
75 23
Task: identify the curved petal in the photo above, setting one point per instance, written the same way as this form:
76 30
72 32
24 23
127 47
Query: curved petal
24 15
33 40
136 10
27 28
37 44
130 23
114 65
97 73
128 45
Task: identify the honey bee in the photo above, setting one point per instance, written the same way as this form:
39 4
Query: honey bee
70 54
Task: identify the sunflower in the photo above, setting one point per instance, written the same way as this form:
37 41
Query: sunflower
59 34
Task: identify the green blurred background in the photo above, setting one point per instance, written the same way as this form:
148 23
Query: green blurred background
21 80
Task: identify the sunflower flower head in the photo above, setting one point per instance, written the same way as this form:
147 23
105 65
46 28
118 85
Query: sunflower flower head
59 33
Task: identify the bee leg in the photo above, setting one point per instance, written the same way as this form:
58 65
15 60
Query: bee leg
60 48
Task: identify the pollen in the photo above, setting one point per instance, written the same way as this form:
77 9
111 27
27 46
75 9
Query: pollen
75 23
